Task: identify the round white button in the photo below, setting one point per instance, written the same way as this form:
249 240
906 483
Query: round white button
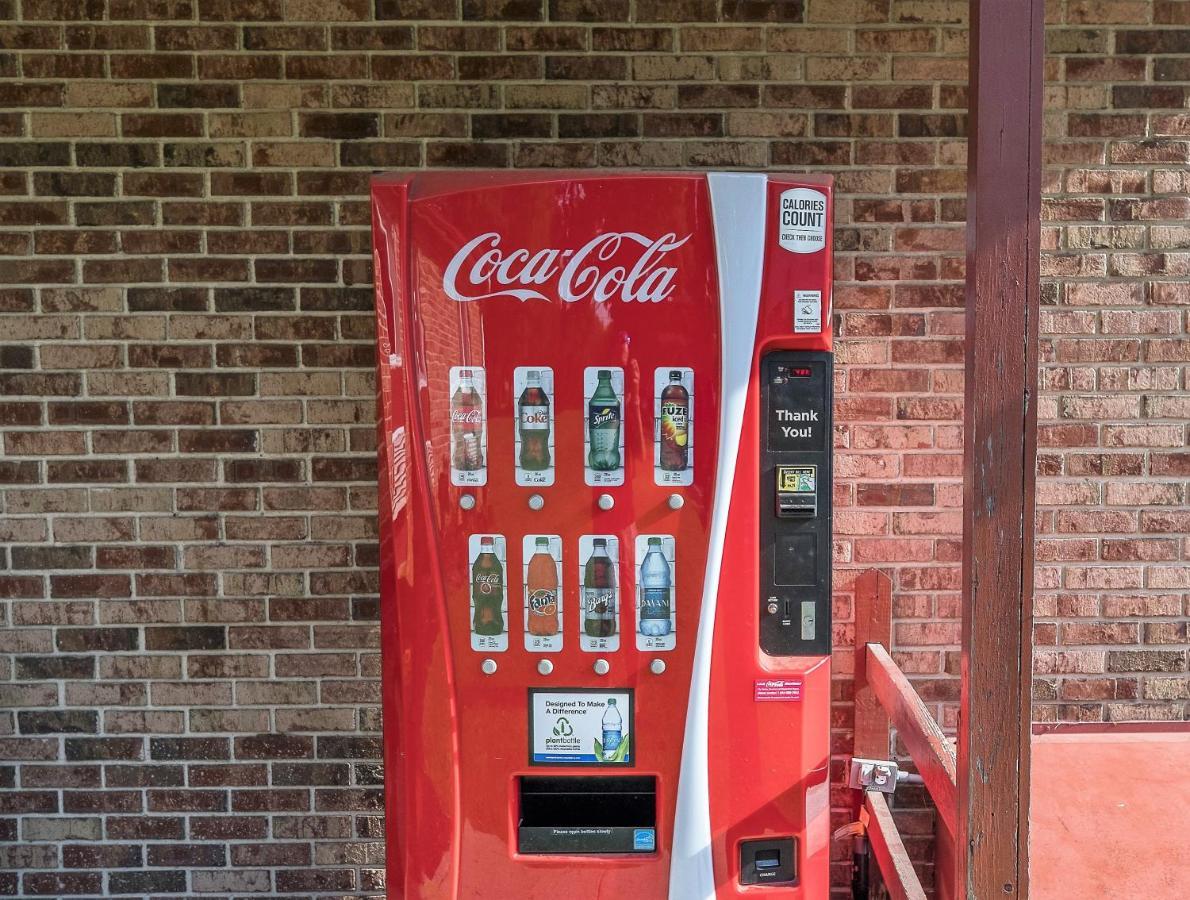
536 501
606 501
657 666
467 501
488 666
676 501
545 667
602 667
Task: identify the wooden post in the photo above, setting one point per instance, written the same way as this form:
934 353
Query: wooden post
873 625
1000 423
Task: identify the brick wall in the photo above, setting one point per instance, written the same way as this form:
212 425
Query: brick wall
188 659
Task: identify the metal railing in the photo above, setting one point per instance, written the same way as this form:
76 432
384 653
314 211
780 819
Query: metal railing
884 697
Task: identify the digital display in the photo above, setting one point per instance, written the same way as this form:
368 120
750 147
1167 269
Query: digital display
799 372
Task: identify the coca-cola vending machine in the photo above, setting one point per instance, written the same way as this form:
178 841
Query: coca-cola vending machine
605 514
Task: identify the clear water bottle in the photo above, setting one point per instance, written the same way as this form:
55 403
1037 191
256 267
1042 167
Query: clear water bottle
656 591
613 730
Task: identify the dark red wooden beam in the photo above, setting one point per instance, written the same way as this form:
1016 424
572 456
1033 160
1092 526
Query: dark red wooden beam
1000 422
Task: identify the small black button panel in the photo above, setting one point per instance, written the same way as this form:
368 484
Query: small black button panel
795 503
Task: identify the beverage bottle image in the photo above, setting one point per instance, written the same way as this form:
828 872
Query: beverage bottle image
675 425
533 415
603 425
613 730
656 589
543 590
466 424
599 592
487 590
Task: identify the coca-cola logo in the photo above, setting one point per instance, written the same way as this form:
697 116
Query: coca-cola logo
598 270
487 583
470 416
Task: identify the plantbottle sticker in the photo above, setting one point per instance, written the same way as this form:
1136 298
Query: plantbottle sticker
801 221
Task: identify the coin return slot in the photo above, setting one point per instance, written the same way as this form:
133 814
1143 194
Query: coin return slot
771 861
569 815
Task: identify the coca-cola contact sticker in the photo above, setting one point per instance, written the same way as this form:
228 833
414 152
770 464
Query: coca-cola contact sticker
541 556
487 564
599 590
533 435
468 426
603 432
673 425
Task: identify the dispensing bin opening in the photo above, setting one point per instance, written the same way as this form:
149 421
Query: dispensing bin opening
567 815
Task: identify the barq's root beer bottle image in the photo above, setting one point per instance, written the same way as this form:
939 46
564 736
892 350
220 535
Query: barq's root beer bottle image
599 592
487 591
603 425
675 425
543 590
533 413
466 424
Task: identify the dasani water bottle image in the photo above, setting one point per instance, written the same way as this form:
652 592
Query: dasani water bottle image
656 588
613 730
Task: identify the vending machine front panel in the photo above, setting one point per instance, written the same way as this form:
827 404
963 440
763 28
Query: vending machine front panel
583 692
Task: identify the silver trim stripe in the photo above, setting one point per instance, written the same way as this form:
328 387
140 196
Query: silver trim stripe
738 215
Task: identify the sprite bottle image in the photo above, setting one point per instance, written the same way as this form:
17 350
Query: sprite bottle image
603 425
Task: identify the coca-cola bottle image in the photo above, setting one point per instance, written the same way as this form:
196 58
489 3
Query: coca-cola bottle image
466 424
603 425
599 592
533 415
542 590
487 590
675 424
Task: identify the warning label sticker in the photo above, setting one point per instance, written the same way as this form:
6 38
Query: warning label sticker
807 312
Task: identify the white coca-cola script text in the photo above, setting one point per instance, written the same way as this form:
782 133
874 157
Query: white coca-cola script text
598 270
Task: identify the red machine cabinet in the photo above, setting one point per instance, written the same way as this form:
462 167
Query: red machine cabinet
692 309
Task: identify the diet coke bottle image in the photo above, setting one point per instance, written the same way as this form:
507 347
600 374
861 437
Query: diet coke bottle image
604 389
600 593
673 459
534 426
543 598
489 602
655 592
468 442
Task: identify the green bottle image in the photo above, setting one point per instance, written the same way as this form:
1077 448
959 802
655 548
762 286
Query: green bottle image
603 426
487 590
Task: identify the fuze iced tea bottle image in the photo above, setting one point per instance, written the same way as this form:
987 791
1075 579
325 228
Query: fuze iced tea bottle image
543 598
533 387
489 601
673 431
468 445
600 593
604 390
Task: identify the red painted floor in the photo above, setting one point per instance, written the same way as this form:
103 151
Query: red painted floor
1111 816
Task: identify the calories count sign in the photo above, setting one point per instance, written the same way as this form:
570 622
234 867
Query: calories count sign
801 220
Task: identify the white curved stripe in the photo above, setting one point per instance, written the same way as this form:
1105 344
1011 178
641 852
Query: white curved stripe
738 214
